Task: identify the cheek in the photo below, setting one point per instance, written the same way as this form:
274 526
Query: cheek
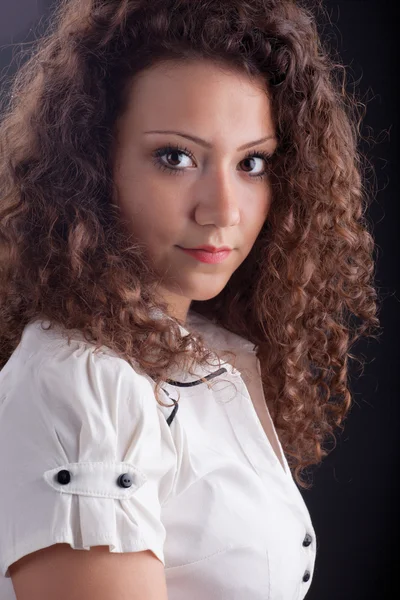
154 221
257 220
146 200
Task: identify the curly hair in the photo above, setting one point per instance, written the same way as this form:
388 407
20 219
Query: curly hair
65 255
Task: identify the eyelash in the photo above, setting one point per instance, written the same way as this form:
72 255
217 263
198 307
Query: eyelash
183 150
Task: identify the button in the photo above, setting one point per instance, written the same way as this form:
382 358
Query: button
306 576
125 480
307 540
63 476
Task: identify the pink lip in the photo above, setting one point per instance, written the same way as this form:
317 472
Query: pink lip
208 257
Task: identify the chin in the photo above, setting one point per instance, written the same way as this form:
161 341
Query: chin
202 297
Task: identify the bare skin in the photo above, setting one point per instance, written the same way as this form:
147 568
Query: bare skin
212 198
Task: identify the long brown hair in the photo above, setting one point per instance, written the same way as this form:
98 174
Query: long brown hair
65 255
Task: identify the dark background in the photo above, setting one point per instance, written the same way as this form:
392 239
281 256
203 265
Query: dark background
354 502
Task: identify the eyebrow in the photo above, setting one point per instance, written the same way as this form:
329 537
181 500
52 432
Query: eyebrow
206 144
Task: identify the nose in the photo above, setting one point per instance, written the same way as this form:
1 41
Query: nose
217 201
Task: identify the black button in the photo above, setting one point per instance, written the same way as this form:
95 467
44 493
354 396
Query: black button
306 576
125 480
63 477
307 540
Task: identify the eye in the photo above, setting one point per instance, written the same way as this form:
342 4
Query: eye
176 150
169 150
265 156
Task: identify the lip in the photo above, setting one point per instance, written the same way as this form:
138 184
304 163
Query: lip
207 257
209 248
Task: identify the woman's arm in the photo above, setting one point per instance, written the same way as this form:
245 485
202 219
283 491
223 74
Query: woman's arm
61 572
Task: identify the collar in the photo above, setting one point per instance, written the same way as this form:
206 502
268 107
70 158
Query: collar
216 338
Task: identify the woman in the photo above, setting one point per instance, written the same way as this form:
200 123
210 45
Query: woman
158 402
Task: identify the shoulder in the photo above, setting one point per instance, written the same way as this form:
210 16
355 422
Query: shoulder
48 369
62 399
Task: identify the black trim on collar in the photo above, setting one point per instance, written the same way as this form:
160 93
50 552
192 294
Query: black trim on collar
190 384
198 381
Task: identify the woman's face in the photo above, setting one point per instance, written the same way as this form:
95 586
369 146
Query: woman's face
208 192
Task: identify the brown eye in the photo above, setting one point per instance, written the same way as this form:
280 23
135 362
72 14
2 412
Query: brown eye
173 151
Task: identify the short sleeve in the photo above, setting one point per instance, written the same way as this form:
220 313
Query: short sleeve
86 456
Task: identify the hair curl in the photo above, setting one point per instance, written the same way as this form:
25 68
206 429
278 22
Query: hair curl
64 254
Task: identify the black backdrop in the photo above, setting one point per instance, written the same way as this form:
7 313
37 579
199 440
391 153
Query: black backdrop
354 502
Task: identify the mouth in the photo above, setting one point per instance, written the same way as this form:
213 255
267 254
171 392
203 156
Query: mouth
207 257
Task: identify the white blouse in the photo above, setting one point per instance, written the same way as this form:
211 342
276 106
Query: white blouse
88 457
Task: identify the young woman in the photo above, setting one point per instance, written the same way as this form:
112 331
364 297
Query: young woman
158 402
